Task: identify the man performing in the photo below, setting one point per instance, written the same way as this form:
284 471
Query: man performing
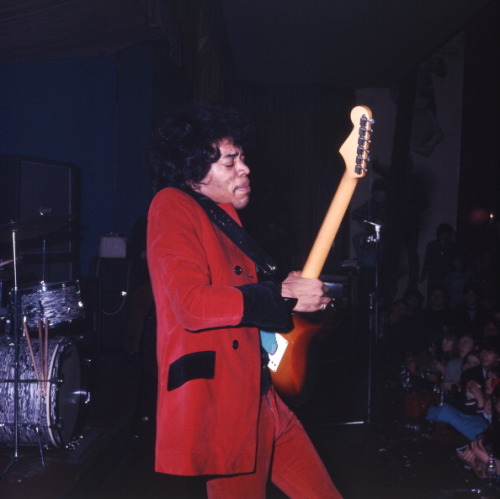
218 414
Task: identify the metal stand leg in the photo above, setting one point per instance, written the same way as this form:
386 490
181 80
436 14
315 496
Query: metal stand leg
40 446
373 324
17 338
15 323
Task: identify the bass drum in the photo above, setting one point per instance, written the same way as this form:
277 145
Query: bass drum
48 411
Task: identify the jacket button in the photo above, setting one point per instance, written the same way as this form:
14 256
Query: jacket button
236 344
238 270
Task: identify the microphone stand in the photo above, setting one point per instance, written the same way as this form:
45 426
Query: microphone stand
373 320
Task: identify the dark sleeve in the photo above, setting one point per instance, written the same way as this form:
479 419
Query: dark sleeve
265 308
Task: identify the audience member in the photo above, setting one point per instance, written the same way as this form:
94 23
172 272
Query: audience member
479 453
468 417
491 329
471 312
469 425
457 278
453 370
489 355
471 360
395 327
487 277
448 349
438 257
415 302
436 316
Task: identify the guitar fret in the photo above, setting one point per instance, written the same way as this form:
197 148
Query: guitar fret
290 376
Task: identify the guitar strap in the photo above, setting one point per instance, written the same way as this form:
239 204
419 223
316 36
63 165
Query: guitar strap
236 233
248 245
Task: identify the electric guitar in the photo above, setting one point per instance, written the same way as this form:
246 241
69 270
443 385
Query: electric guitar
289 363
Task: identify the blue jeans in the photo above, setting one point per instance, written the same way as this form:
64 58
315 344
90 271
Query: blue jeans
469 425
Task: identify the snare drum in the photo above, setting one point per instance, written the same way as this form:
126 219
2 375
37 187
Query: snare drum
48 410
59 303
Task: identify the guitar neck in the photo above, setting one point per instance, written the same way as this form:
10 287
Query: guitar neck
354 151
329 228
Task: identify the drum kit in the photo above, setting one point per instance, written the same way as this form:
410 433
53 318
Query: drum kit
41 371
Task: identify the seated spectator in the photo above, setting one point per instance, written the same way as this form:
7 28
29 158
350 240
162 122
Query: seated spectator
438 256
434 317
414 301
421 382
471 312
447 351
396 331
453 370
489 355
456 280
480 396
469 425
490 329
487 278
468 417
471 360
477 453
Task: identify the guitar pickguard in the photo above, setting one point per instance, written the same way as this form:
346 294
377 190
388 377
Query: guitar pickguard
276 357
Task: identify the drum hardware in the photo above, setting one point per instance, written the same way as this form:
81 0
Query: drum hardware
45 417
59 303
74 443
15 457
47 408
32 228
43 374
7 262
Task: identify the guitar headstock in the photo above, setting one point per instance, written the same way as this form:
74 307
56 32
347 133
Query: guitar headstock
356 148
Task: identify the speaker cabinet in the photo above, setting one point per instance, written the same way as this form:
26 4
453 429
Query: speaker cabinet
30 189
111 306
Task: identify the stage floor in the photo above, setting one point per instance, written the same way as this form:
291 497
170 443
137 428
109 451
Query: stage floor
354 420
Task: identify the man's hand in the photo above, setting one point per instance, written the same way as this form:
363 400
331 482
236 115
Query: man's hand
310 293
479 451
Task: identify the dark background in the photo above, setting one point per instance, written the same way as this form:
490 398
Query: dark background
84 84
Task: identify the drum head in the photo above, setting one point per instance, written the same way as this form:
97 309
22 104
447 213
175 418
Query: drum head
48 409
66 369
57 303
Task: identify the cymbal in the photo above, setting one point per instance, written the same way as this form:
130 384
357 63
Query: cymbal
32 228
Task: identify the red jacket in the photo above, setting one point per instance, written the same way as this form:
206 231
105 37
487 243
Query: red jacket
209 370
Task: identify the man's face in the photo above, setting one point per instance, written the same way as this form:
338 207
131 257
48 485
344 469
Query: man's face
465 345
490 383
488 358
437 298
471 361
227 180
447 344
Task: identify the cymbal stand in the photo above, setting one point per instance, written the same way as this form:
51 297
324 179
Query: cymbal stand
15 323
44 258
16 326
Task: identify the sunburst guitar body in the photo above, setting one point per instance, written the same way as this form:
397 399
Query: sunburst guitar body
292 365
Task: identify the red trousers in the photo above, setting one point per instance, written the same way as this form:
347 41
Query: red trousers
285 454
